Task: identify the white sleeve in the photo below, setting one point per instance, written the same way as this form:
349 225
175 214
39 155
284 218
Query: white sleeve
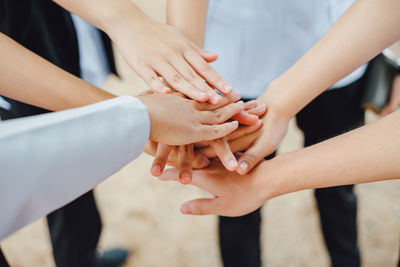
46 161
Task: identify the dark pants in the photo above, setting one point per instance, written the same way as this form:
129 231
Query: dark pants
3 261
74 229
332 113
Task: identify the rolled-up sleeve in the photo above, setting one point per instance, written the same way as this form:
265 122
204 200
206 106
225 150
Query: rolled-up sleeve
46 161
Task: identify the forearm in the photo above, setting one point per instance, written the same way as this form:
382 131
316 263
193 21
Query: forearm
189 17
111 16
28 78
49 160
367 154
367 28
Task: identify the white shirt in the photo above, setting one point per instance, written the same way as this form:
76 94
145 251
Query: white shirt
92 57
48 160
258 40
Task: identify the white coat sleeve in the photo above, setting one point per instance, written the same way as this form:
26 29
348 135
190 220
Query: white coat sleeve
46 161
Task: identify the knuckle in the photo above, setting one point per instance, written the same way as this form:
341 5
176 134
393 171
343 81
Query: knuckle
176 78
216 129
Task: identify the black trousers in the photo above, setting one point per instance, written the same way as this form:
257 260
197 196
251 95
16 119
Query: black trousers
332 113
74 229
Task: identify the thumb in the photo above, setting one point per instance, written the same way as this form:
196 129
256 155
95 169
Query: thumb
202 206
253 155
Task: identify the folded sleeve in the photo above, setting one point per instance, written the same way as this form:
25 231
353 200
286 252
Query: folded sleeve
46 161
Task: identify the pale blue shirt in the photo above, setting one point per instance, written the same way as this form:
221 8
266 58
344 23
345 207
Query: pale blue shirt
92 57
258 40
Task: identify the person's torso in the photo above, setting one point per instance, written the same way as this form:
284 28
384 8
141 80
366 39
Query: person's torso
258 40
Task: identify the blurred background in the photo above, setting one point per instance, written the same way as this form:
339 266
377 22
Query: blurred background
142 214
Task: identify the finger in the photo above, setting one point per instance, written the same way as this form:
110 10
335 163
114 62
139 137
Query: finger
152 80
201 178
161 159
206 55
179 83
386 111
250 104
151 148
222 114
245 118
192 77
258 111
207 72
222 149
199 160
239 144
185 163
211 132
253 155
225 99
244 130
202 206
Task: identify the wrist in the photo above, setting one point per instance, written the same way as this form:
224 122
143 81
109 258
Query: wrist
280 99
119 16
271 179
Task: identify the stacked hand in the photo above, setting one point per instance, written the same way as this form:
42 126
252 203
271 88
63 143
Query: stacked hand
154 50
191 156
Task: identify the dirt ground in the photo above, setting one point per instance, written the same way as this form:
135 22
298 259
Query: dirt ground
142 214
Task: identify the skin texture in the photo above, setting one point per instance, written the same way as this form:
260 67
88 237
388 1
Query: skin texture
189 17
367 154
371 158
193 121
215 148
21 75
153 49
289 93
365 30
394 102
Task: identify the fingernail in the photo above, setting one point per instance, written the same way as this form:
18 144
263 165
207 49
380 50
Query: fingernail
215 99
165 90
240 103
204 162
203 96
261 107
236 94
228 88
156 169
235 123
232 164
185 177
186 208
244 166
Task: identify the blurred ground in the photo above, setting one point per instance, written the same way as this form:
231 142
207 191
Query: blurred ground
142 214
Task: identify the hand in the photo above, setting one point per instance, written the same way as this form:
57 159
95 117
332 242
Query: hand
394 103
238 140
153 49
188 158
264 143
235 195
179 121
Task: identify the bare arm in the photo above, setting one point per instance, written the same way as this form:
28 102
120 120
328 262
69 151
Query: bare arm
367 154
26 77
367 28
189 17
152 48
